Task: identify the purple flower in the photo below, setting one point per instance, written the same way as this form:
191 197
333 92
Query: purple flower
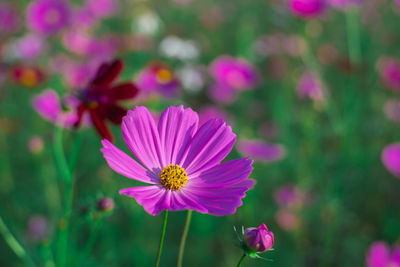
38 228
158 78
235 73
380 255
102 8
30 46
307 8
181 162
35 144
48 16
289 196
260 150
392 110
287 220
310 86
49 106
391 159
9 20
207 113
222 94
105 204
259 239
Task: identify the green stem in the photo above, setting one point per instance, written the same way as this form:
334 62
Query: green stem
241 260
353 34
14 244
162 239
91 240
183 239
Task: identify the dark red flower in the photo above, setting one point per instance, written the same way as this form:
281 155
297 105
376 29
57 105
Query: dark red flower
100 98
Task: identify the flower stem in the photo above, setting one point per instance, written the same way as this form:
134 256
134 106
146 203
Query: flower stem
14 244
241 260
162 239
183 239
91 240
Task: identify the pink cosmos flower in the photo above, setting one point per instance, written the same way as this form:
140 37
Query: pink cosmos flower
222 94
259 239
289 196
260 150
48 16
380 255
391 158
235 73
102 8
287 220
9 20
158 78
207 113
344 4
310 86
181 162
390 73
307 8
48 105
30 46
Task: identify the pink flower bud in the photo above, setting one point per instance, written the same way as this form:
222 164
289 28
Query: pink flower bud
259 239
105 204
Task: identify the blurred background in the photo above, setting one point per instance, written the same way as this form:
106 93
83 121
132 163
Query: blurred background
310 88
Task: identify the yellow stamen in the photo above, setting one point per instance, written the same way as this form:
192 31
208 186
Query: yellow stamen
29 78
92 104
173 177
164 76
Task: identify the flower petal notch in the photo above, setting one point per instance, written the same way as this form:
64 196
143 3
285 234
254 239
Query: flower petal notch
180 162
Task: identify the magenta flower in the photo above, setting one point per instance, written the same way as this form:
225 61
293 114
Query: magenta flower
158 78
307 8
102 8
181 162
310 86
380 255
48 105
222 94
48 16
390 74
259 239
207 113
260 150
9 20
391 158
287 219
30 46
235 73
289 196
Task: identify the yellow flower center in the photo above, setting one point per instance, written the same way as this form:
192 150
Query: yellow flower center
29 78
173 177
164 76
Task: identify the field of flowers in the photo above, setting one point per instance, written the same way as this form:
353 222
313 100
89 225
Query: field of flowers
200 133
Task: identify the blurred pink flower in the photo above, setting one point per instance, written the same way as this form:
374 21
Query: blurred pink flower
48 105
48 16
392 110
380 255
83 18
35 144
289 196
260 150
391 158
287 220
158 78
307 8
102 8
207 113
236 73
390 73
9 20
310 86
29 46
222 94
38 228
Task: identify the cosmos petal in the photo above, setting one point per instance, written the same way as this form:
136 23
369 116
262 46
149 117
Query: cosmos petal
142 138
211 144
123 164
176 128
107 73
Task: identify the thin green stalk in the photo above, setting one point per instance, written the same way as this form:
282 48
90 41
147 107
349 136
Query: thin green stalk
91 240
15 246
162 239
183 239
353 34
66 174
241 260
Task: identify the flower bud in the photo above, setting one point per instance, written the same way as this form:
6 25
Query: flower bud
258 239
105 204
